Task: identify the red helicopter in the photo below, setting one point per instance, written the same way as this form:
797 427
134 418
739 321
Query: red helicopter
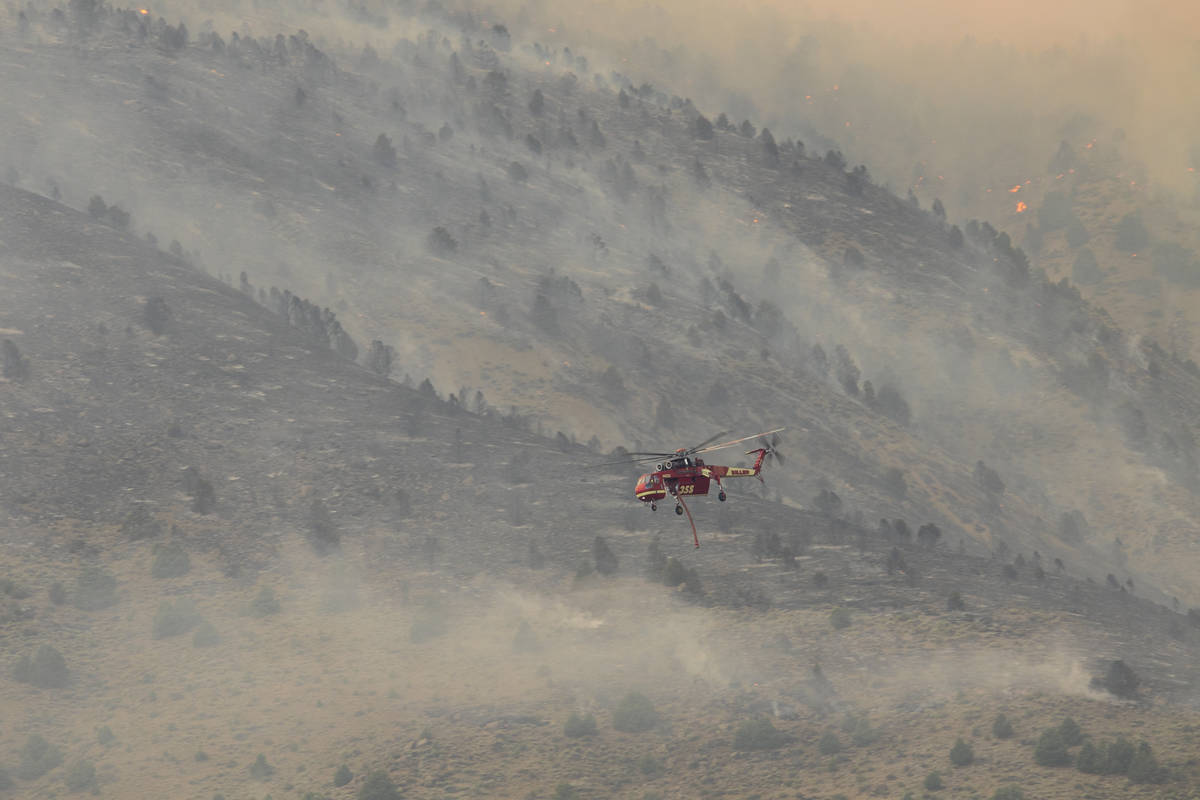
681 474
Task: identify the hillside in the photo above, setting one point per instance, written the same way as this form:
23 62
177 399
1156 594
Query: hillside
780 253
410 574
397 611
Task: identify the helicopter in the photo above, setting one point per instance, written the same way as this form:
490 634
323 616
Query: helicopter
682 474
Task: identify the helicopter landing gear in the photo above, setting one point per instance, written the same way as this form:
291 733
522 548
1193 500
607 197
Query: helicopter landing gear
654 506
721 496
679 510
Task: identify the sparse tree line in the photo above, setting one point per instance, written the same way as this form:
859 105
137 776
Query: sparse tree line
887 400
319 324
88 19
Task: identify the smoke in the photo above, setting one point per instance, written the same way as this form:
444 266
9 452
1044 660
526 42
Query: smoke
966 95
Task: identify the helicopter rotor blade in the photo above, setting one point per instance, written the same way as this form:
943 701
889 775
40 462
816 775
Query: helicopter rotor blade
736 441
634 458
699 448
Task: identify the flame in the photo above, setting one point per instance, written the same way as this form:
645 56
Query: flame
1191 169
1021 207
1015 189
143 11
835 87
1089 145
1058 177
1071 171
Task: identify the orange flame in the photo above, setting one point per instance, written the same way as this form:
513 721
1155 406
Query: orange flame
1021 207
1015 189
143 11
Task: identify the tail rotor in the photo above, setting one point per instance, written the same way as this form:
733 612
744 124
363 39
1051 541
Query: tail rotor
770 448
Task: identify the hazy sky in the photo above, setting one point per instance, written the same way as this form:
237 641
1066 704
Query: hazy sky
998 84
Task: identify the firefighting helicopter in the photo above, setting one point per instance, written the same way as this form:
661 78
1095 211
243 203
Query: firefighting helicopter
681 474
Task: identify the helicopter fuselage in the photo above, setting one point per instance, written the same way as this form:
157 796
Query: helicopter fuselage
689 476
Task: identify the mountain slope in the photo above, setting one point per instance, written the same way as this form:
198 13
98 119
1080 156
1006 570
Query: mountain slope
400 647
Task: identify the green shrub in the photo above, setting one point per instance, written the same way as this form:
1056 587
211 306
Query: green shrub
1008 793
170 561
47 668
759 734
37 758
342 776
1090 759
1120 679
172 619
81 775
829 744
839 618
1070 732
525 640
1144 767
95 588
427 625
6 781
933 781
649 765
260 769
1051 749
12 589
378 786
962 754
1118 756
264 603
58 593
635 714
955 601
674 573
105 736
206 635
1002 728
565 791
579 725
862 734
